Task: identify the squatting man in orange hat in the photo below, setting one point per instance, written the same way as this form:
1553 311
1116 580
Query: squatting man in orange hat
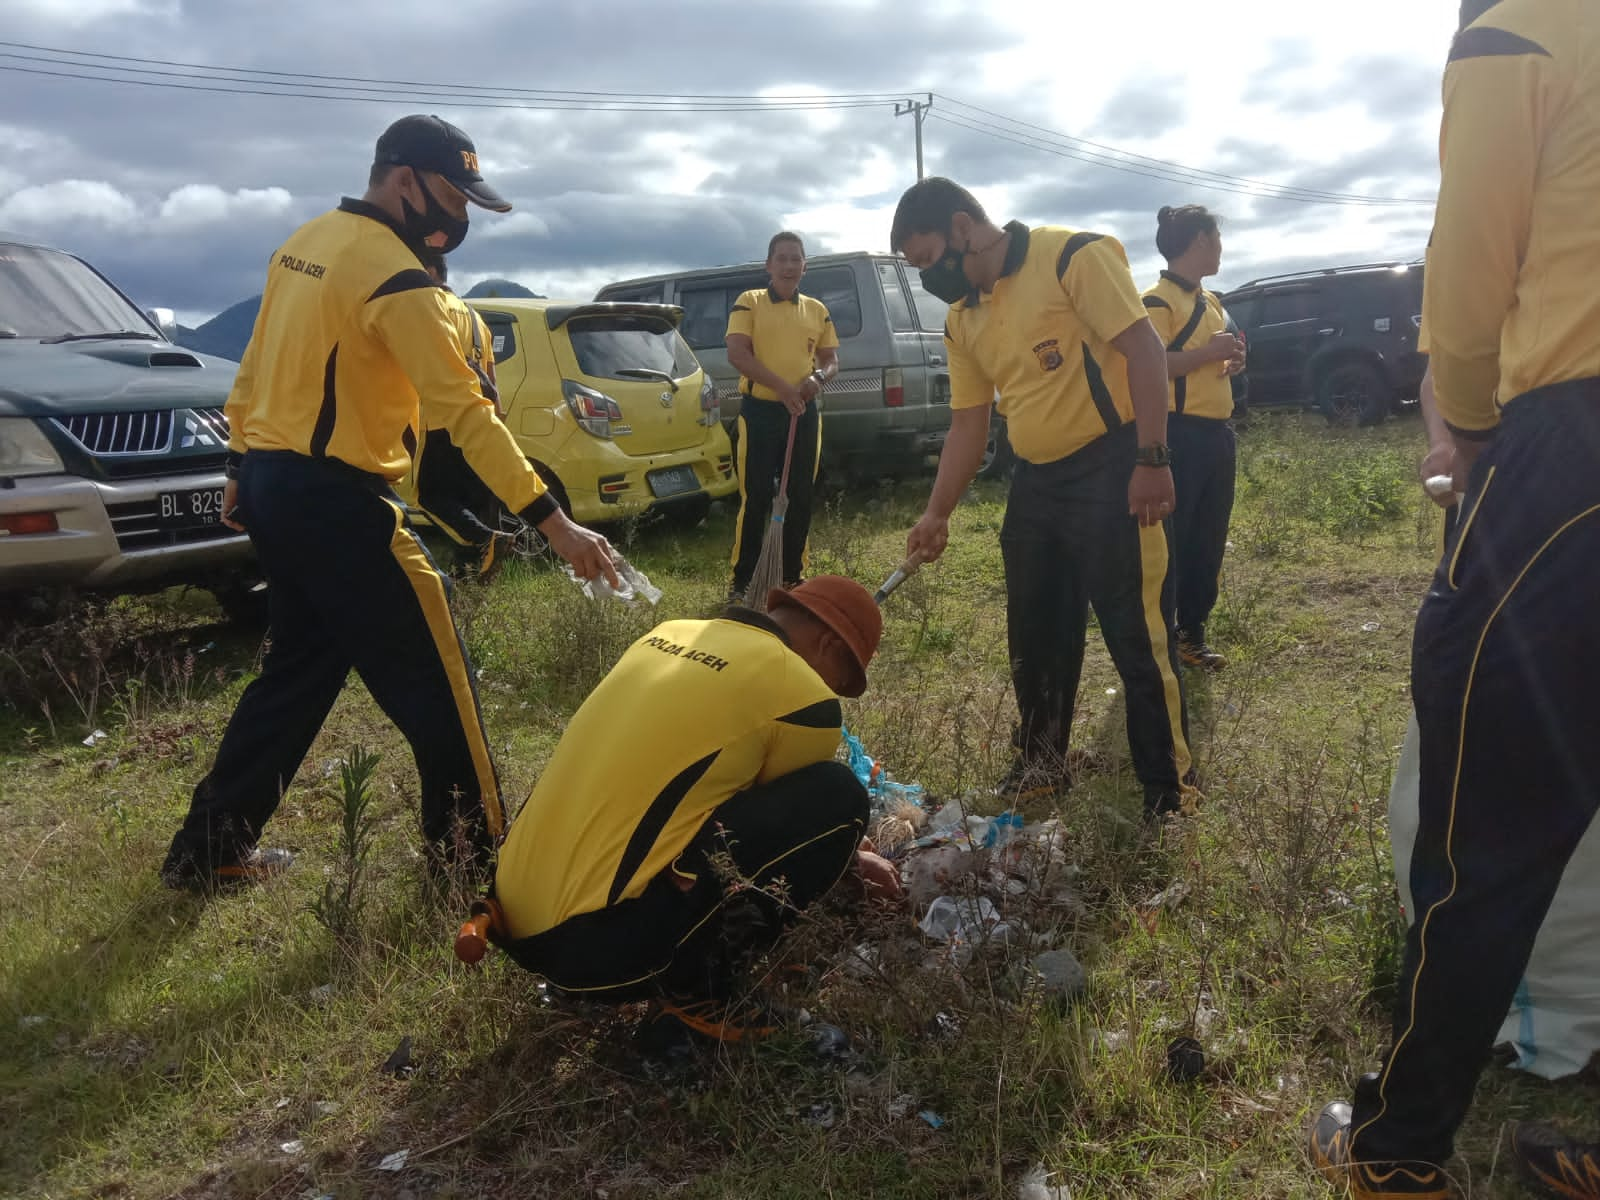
693 809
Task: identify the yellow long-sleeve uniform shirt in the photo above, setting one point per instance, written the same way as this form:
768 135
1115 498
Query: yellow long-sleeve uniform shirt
693 713
1510 299
353 339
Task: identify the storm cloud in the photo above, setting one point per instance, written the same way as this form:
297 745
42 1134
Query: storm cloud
180 194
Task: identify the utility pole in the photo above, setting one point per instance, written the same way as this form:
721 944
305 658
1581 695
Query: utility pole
916 109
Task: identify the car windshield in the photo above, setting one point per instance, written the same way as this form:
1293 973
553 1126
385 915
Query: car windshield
45 293
627 346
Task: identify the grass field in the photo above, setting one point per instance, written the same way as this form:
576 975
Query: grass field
155 1045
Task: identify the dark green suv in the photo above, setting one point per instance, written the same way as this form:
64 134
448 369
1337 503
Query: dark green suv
112 440
1344 339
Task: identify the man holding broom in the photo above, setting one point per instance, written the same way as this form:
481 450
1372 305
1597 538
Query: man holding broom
785 349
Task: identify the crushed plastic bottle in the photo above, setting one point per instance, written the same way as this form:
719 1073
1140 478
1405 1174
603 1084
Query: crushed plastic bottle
635 584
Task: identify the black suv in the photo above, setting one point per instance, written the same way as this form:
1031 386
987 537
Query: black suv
1344 339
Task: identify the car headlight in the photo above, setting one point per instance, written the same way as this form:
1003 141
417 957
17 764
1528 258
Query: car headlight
24 450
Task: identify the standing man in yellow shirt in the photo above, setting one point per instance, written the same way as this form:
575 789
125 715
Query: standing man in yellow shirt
1051 320
1506 652
354 349
785 349
1202 359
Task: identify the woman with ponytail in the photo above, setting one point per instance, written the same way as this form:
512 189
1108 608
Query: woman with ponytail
1202 359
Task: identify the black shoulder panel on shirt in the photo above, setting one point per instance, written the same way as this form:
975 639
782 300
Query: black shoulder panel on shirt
1485 41
1155 302
328 411
741 308
404 281
654 821
1104 404
1074 243
824 714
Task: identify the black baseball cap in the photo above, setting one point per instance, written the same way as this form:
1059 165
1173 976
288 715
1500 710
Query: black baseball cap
429 143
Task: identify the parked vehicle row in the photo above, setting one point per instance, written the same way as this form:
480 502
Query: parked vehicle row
112 438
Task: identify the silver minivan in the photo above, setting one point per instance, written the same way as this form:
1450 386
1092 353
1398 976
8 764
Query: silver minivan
889 409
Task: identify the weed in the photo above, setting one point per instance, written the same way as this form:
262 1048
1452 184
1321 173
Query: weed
339 908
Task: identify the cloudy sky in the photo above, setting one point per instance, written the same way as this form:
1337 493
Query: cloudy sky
181 195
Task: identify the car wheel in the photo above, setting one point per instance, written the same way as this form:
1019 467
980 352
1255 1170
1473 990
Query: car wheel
527 543
1353 393
998 456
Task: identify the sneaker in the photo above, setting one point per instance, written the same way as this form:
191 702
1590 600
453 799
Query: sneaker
1330 1154
672 1027
1193 652
261 865
1162 801
735 596
1554 1164
1031 781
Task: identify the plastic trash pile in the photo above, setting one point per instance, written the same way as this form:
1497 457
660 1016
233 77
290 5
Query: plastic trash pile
974 880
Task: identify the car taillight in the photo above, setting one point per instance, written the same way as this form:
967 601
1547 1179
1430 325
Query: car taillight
594 410
710 405
894 388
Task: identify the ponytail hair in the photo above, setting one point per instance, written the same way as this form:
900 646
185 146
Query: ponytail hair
1177 228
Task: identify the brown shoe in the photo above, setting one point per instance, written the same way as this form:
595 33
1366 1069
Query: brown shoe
1330 1154
1554 1164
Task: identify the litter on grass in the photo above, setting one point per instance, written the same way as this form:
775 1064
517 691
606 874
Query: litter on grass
635 585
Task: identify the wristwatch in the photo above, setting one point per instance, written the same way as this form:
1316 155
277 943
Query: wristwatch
819 377
1153 456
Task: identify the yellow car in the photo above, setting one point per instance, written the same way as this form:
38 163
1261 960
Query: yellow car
609 404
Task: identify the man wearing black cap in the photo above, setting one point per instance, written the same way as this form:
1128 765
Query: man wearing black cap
353 349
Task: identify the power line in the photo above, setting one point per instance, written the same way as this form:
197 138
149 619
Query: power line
1177 174
252 75
621 105
201 77
1111 155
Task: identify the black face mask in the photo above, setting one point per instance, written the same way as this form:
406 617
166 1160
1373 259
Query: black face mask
434 218
946 279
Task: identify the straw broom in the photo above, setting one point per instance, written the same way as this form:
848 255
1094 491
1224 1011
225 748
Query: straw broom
769 566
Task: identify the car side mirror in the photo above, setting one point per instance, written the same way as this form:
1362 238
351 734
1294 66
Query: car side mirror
165 320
